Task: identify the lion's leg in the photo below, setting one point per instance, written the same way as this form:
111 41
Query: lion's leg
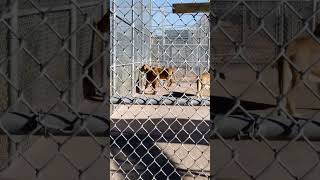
147 85
198 88
155 84
169 81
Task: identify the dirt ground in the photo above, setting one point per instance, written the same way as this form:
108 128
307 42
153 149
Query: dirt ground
173 139
239 83
176 133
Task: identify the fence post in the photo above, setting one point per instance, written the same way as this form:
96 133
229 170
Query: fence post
13 58
74 94
114 48
143 57
281 37
150 39
314 9
13 67
106 59
133 51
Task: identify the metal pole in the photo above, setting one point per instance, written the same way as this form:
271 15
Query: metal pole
163 36
314 9
208 45
280 62
143 58
212 90
132 50
74 94
13 58
105 60
114 48
244 24
171 58
197 47
142 34
150 38
13 67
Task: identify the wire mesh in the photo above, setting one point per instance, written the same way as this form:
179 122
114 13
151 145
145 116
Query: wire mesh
255 134
161 135
48 51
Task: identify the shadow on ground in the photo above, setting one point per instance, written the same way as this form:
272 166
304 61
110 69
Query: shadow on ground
136 153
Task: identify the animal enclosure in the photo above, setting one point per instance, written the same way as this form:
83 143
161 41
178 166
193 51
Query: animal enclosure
245 41
74 94
161 136
47 51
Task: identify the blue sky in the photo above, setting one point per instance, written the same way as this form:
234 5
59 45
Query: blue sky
162 16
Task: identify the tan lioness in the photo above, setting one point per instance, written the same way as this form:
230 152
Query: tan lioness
304 53
155 74
204 81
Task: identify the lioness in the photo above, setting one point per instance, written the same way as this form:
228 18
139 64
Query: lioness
204 81
304 53
155 74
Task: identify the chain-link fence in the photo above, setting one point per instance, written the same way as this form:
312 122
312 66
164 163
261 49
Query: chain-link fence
255 135
53 59
161 135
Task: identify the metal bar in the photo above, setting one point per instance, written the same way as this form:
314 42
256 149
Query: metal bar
244 24
212 65
13 68
74 94
190 7
281 41
108 61
144 57
13 56
209 45
132 50
182 44
163 36
105 47
114 48
314 9
198 56
150 39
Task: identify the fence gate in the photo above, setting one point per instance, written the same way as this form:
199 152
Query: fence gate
254 136
48 51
